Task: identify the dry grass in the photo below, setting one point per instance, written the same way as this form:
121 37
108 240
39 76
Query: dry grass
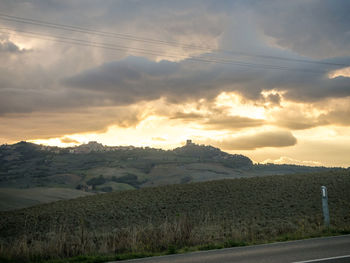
172 218
168 237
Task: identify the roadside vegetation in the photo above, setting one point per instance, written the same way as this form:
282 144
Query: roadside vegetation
176 218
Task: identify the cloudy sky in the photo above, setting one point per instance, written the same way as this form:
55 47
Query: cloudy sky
267 79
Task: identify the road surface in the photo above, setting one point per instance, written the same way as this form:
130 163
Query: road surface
323 250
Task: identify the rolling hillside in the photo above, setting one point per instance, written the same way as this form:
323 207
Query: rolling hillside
95 168
259 199
12 198
241 210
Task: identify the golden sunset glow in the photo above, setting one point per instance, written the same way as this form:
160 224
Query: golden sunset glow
237 107
229 76
164 132
133 129
344 72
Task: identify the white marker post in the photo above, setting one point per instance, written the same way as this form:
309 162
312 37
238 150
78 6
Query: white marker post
325 205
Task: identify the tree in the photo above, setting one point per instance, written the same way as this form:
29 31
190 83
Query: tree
96 181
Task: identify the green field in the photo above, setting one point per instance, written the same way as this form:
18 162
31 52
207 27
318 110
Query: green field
178 217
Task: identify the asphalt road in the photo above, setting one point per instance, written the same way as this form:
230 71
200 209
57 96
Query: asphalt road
324 250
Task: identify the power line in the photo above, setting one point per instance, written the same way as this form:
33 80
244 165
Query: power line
79 29
114 47
96 32
74 41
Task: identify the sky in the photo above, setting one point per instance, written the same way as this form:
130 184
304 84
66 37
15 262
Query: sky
268 79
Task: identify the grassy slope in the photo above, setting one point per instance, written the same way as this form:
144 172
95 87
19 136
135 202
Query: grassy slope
263 201
19 198
160 174
116 186
177 218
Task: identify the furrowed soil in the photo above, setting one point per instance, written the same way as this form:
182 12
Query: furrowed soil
167 219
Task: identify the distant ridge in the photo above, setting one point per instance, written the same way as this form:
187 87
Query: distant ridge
190 149
96 168
207 151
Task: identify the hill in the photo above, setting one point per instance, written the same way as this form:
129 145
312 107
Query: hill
249 210
12 198
26 165
96 168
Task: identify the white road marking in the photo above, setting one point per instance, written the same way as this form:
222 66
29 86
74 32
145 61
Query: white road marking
322 259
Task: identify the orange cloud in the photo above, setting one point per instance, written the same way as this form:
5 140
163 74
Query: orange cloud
258 140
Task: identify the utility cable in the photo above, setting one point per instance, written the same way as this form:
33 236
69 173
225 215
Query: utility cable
109 46
154 41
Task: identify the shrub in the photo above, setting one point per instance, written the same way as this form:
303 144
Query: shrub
96 180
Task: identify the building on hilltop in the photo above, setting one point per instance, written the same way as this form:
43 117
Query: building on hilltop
91 146
189 142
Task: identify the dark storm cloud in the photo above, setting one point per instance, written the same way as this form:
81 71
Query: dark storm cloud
136 79
35 87
89 77
314 28
307 87
258 140
166 20
127 81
